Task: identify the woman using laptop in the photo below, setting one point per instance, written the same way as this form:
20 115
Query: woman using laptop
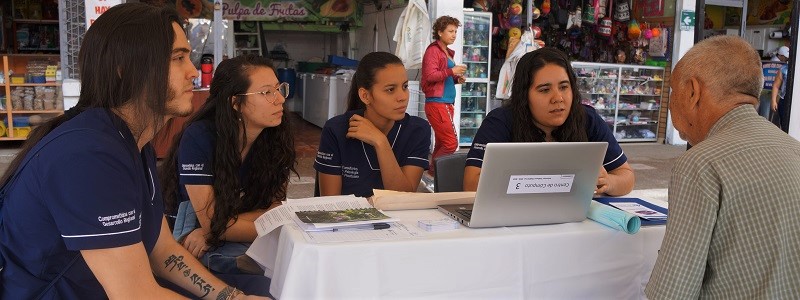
375 144
545 106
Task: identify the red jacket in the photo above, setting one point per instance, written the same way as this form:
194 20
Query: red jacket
435 70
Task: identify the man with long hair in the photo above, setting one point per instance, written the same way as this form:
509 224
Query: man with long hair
82 216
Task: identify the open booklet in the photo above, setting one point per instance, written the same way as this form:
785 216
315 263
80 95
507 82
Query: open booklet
287 213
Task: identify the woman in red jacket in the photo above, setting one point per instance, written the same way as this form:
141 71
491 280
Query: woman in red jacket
440 74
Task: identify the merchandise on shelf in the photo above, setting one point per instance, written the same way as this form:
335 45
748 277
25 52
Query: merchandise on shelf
472 106
632 112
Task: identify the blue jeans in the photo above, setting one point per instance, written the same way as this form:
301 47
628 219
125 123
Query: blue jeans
220 259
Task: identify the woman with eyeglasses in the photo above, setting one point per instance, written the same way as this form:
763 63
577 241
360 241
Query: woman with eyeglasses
232 164
375 144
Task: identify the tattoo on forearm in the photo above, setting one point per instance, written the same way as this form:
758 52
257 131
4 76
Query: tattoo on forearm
226 293
174 262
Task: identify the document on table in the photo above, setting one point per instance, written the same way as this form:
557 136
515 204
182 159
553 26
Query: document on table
397 231
285 214
640 210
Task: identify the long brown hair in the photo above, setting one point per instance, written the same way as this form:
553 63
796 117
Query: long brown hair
119 65
272 156
524 129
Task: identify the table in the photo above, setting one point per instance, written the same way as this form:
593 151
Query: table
583 260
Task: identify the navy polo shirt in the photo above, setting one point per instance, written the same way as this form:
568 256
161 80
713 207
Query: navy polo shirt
357 162
496 128
195 161
88 188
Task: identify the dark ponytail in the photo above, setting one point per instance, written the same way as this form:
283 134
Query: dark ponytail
365 75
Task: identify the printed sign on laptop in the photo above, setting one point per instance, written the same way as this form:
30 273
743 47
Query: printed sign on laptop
539 184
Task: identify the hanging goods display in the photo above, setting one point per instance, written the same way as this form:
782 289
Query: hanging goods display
590 13
604 29
505 79
647 33
633 30
601 8
622 11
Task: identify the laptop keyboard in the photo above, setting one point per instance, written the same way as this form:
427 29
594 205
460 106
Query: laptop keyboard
466 213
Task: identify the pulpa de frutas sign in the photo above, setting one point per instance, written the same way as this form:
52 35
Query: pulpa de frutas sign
292 11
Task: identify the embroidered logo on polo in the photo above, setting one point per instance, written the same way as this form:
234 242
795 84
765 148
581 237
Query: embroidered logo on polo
118 219
192 167
350 172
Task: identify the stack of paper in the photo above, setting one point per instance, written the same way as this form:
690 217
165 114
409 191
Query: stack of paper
438 225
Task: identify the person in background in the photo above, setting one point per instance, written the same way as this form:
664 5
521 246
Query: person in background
545 106
780 103
82 216
230 165
440 74
732 230
375 144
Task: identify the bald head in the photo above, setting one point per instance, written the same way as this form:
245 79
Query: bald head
727 66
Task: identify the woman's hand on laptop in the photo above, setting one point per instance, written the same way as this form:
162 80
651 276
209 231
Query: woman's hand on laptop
603 184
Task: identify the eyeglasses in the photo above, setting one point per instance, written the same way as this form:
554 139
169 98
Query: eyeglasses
271 95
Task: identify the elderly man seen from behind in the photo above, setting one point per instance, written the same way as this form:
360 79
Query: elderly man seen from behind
733 230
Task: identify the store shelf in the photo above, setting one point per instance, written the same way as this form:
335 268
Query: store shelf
639 140
629 109
640 123
18 63
476 94
620 104
36 49
20 111
33 21
35 84
33 55
641 79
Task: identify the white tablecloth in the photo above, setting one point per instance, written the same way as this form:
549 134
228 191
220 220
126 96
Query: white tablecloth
583 260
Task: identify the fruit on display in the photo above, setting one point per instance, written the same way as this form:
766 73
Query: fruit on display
195 8
337 8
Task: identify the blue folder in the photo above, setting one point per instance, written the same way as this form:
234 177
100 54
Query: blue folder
645 222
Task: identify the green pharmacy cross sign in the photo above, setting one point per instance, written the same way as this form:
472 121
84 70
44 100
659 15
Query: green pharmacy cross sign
687 20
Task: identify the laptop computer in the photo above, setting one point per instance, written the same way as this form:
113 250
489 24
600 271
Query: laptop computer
533 183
